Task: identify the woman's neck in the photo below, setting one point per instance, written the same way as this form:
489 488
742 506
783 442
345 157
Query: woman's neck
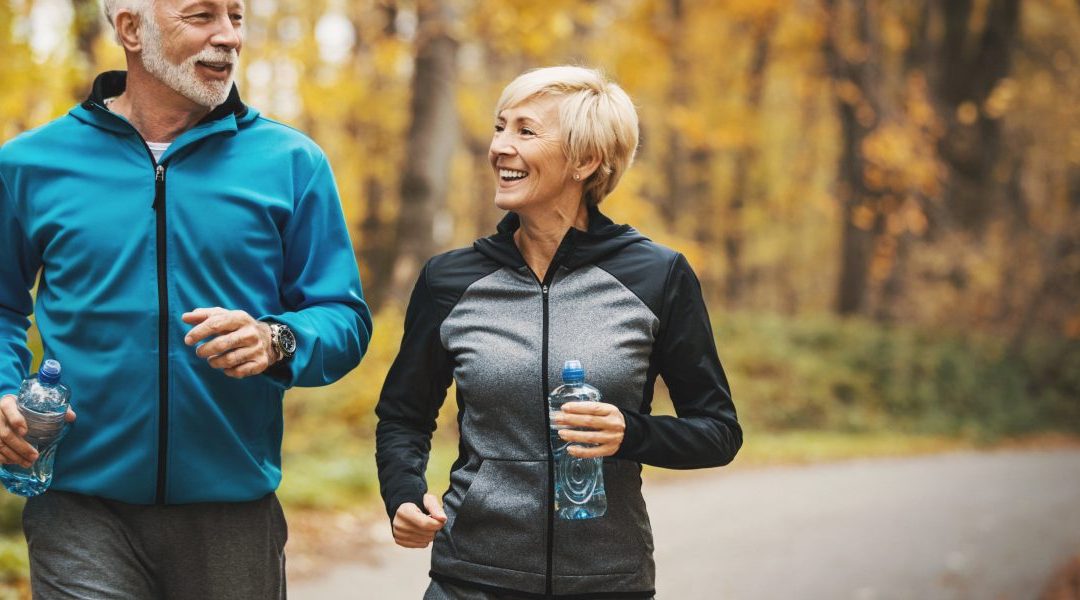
540 234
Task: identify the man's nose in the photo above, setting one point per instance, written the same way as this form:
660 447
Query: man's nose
227 34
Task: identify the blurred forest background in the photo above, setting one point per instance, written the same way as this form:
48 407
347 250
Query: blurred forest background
881 198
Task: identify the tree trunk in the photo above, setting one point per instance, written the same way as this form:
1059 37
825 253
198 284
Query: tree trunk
858 109
677 96
745 160
966 73
432 137
87 28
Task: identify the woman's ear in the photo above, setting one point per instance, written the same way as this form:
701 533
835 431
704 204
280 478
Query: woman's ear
127 30
585 168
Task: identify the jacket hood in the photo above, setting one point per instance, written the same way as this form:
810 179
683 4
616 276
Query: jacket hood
577 248
113 83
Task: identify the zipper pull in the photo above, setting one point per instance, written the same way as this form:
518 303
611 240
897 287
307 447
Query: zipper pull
544 289
159 187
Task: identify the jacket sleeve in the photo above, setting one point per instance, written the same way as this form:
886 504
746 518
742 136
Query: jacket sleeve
414 391
17 271
320 289
706 432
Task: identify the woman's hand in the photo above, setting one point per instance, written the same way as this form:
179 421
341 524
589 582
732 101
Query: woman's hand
605 422
414 529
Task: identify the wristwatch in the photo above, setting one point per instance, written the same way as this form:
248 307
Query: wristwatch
282 340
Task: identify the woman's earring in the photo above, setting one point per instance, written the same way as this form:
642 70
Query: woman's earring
577 177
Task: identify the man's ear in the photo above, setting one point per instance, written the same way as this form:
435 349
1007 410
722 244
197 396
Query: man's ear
127 30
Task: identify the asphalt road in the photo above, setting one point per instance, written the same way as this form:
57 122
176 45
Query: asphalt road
956 526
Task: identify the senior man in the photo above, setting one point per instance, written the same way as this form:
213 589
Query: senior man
194 263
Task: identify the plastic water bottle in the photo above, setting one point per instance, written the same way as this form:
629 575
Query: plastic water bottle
43 401
579 482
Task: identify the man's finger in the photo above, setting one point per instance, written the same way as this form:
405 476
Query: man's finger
220 346
233 358
16 445
194 317
9 458
12 416
251 367
215 324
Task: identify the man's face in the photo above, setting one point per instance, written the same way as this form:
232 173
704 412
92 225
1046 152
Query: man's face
192 46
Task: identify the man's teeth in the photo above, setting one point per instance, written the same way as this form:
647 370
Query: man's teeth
511 174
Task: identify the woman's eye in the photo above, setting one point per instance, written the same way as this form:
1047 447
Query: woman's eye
498 128
238 18
527 131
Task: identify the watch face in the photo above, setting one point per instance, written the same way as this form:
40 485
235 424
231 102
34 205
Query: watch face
288 340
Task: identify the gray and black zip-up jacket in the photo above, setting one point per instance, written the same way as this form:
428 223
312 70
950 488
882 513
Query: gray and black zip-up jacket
630 310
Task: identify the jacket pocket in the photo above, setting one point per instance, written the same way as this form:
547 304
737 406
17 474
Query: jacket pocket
502 518
619 542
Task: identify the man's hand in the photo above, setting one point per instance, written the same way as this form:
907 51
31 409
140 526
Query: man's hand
605 422
414 529
240 346
13 448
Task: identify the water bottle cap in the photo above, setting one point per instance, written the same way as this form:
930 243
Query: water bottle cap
49 371
573 371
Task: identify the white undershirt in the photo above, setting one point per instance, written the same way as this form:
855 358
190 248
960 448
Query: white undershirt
156 148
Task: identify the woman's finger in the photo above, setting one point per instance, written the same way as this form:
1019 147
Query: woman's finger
590 437
589 408
593 451
587 421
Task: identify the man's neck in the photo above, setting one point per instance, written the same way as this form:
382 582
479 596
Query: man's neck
158 113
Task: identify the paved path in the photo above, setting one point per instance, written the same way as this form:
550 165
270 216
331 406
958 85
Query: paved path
956 526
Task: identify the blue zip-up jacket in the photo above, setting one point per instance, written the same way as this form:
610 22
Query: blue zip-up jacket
242 213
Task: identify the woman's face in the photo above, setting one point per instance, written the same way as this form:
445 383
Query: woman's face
531 169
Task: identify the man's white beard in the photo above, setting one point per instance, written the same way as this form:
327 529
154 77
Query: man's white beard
182 77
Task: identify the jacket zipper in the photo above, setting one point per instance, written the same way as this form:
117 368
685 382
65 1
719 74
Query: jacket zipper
163 333
548 584
163 316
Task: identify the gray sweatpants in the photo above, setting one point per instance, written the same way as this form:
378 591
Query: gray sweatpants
86 548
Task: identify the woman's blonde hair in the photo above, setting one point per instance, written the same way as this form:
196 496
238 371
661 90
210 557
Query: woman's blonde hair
597 118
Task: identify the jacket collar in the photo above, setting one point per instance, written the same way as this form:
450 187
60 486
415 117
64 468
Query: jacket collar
225 118
113 83
602 238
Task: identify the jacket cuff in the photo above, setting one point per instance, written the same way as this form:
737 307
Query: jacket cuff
285 372
633 436
394 503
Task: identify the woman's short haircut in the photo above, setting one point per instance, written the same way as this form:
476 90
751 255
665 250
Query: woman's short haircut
597 118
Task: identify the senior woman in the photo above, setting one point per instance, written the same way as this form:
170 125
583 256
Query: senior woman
558 281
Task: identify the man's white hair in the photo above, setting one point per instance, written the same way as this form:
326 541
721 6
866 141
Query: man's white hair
139 7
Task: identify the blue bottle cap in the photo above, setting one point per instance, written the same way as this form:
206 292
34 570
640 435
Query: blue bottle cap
49 372
572 371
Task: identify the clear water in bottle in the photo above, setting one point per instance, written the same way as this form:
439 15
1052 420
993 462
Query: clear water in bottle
43 401
579 482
